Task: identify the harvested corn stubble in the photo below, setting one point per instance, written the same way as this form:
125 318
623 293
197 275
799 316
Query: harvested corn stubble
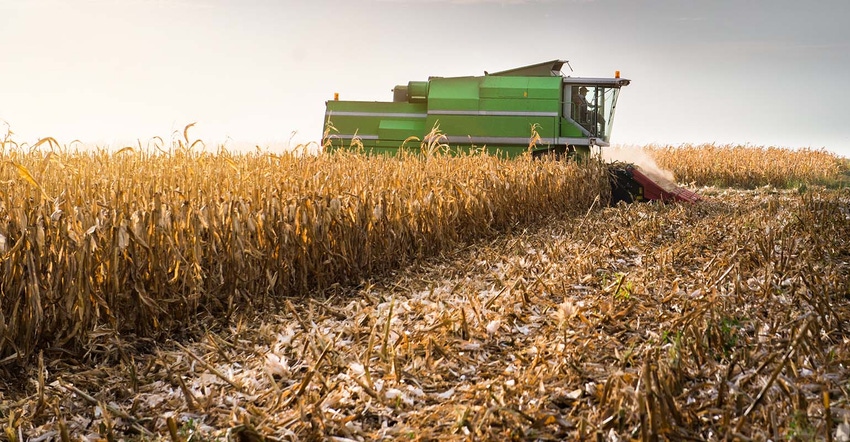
724 319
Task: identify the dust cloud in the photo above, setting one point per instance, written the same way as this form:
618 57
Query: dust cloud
643 160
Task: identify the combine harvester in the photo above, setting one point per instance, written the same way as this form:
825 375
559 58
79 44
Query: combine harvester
500 112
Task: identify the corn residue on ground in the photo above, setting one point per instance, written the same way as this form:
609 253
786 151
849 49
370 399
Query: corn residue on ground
724 319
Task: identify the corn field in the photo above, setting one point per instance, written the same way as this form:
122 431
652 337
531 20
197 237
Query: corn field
139 243
748 167
184 296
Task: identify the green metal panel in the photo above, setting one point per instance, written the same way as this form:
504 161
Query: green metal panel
453 93
570 129
459 126
365 118
504 87
401 129
375 106
507 105
546 88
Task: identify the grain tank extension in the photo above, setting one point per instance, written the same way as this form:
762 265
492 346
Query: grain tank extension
497 112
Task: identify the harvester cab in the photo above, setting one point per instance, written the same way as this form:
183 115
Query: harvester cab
591 107
532 108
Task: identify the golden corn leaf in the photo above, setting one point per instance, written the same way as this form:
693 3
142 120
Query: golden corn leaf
232 164
25 174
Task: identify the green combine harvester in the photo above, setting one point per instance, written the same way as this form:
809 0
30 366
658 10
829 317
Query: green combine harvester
532 108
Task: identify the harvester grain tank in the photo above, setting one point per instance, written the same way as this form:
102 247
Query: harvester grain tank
532 108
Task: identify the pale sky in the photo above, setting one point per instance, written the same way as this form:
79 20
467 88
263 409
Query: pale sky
108 72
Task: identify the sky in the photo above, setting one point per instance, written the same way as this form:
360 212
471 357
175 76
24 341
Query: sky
258 72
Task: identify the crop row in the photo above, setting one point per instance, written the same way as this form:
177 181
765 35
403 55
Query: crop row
748 166
139 244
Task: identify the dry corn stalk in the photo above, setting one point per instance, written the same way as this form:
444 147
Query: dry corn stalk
139 242
749 166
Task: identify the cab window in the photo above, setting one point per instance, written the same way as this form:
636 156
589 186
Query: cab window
592 107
